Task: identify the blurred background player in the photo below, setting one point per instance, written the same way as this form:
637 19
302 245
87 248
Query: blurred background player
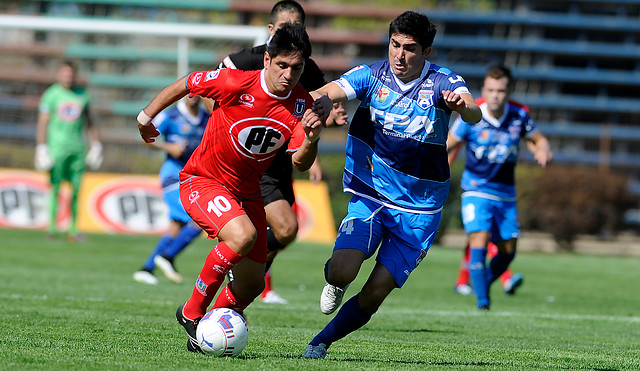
60 142
396 168
277 186
182 127
489 210
510 282
256 112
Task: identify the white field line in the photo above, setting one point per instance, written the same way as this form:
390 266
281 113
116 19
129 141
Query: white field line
381 312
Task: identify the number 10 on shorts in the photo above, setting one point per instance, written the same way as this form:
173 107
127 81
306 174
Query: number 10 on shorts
218 205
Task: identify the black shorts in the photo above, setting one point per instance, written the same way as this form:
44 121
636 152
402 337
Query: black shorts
274 189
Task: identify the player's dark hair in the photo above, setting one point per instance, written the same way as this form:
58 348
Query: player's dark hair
498 72
416 25
287 6
291 38
68 63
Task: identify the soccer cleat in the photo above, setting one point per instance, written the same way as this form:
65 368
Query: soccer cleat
315 351
484 308
145 277
331 298
166 266
190 327
513 283
272 297
463 289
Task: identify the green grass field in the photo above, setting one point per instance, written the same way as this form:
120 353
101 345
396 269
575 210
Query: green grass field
75 306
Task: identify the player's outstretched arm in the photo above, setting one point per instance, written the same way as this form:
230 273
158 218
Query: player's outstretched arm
542 153
164 99
464 104
453 148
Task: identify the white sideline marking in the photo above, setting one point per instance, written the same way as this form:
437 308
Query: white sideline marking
442 313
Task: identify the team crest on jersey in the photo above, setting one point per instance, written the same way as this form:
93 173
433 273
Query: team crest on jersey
69 111
196 78
247 100
382 94
212 75
298 108
515 128
425 98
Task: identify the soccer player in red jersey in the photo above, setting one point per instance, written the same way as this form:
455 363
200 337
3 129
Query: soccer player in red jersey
255 113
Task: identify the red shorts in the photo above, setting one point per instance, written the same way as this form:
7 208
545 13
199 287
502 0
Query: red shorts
212 206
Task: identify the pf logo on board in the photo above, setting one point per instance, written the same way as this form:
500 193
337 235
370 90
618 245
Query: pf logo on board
130 205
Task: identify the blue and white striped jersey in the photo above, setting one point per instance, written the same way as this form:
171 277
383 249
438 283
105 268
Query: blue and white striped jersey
492 149
396 148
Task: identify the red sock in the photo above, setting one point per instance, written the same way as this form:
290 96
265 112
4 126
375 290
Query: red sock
227 299
463 274
267 283
219 261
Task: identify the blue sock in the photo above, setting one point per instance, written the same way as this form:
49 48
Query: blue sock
477 272
164 241
349 318
498 265
187 234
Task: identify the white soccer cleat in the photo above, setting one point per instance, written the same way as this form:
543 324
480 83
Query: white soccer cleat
315 351
145 277
168 269
331 298
463 289
272 297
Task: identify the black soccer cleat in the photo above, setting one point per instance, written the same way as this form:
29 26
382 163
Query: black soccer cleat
190 327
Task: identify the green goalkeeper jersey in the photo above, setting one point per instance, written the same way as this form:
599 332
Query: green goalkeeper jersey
68 110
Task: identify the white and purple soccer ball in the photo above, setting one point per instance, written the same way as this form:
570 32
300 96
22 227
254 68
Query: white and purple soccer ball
222 332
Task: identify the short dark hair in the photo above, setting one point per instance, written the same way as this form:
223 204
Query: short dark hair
291 38
68 63
499 71
287 6
416 25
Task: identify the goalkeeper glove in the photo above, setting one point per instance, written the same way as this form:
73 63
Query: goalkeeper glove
43 160
94 156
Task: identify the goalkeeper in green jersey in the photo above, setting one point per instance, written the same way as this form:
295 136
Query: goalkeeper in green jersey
63 115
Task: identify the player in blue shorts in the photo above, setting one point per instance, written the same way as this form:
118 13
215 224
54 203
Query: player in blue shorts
182 128
489 211
396 168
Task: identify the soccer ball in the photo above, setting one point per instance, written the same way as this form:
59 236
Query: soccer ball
222 332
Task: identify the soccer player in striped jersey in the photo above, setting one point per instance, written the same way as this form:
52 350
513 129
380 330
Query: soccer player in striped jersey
489 210
396 168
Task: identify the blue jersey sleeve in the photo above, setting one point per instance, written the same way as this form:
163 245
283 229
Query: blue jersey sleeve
161 122
459 129
355 82
452 81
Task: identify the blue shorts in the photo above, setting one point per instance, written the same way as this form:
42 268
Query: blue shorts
482 214
401 238
171 194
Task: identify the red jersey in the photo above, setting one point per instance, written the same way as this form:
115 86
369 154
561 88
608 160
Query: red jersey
246 128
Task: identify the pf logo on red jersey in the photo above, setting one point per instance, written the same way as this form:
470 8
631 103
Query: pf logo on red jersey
261 139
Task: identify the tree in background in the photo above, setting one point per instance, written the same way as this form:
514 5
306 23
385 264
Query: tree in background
567 201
